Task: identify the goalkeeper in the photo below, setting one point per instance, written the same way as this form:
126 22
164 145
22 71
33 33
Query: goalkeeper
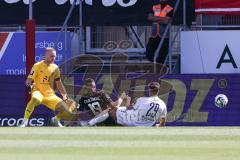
41 80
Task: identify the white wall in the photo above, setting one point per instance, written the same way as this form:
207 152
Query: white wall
202 50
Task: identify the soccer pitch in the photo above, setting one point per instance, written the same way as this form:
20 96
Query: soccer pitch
120 143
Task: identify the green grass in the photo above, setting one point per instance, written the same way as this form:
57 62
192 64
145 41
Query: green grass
119 143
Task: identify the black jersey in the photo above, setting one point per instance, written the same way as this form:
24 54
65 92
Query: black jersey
95 102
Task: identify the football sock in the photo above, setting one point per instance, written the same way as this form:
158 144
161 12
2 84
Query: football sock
65 115
30 108
99 118
63 112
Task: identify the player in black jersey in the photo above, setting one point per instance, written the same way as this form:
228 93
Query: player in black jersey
96 102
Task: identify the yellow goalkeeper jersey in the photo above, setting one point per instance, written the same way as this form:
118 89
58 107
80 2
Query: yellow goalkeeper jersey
43 77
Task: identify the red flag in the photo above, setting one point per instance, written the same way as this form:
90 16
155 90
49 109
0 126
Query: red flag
222 7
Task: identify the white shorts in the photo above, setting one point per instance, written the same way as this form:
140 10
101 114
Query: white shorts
132 118
126 117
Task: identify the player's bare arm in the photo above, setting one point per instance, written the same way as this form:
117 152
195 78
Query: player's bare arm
120 99
61 88
29 84
161 122
128 103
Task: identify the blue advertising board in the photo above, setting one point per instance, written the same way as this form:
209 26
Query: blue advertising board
13 50
189 98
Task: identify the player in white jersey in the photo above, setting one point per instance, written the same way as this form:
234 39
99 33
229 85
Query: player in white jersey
147 111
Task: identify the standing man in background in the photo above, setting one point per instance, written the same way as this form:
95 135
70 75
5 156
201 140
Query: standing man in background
160 17
43 76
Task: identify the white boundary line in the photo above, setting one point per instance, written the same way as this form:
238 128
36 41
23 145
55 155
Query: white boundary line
218 10
4 47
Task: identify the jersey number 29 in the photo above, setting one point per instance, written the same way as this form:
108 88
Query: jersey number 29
152 112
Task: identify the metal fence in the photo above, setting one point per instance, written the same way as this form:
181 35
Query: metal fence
218 21
117 38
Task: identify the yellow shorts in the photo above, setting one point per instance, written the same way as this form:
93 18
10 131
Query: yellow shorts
50 101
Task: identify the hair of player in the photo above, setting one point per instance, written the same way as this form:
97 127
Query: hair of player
88 81
50 49
154 88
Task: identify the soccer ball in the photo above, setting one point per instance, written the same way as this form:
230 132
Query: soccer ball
221 100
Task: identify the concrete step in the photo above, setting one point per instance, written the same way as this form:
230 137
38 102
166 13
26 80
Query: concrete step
119 63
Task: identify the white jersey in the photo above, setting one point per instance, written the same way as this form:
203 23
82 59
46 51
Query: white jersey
146 112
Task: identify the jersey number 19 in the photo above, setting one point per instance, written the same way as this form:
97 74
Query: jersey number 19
95 107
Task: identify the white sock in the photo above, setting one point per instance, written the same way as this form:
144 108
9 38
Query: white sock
24 123
99 118
56 118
